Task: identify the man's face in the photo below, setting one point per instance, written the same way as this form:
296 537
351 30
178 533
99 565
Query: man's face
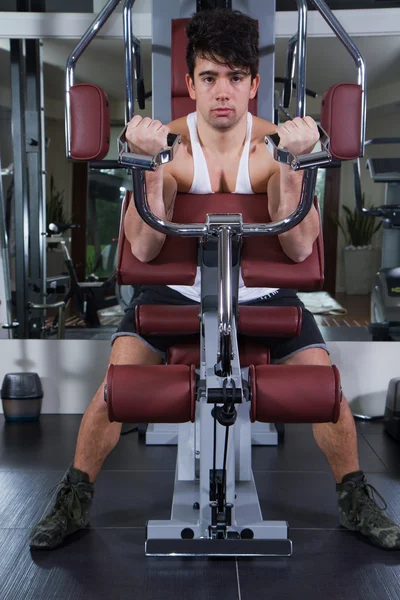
222 94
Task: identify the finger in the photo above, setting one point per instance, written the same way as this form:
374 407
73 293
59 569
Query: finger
165 130
297 122
156 125
135 121
289 127
147 122
309 121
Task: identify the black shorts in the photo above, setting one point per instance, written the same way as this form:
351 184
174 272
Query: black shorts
280 348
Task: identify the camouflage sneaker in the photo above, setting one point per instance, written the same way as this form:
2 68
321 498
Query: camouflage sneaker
70 512
358 511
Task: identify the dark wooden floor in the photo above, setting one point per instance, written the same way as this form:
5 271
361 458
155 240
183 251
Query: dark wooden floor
107 560
358 312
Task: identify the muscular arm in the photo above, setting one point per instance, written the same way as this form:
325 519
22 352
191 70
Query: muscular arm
284 189
146 243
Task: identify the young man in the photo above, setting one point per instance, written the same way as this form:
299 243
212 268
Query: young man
222 150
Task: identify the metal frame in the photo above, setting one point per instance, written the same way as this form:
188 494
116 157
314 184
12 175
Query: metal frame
29 181
90 34
228 508
4 259
36 157
20 185
351 48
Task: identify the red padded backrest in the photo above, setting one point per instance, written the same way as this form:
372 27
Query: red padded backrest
181 103
90 122
264 264
341 119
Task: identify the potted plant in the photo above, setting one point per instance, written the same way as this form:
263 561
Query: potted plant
361 260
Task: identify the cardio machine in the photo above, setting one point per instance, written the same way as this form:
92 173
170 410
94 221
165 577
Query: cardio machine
218 380
385 296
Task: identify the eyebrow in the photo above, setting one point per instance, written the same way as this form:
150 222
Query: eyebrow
215 73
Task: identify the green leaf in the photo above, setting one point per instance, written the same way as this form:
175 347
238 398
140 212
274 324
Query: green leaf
357 229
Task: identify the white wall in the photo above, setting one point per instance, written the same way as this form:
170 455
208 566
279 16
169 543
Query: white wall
72 370
377 126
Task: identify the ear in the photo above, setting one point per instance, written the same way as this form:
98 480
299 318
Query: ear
190 86
254 86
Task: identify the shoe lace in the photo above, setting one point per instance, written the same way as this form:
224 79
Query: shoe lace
367 497
67 499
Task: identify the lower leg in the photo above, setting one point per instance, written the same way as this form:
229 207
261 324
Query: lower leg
97 437
338 441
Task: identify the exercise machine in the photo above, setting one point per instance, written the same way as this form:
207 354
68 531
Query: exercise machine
87 296
385 296
214 384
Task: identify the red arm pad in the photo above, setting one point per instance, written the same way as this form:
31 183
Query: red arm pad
90 122
341 119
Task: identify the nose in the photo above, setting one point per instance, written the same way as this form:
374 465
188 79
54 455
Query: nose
222 89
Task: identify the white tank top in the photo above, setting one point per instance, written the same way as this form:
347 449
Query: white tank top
202 185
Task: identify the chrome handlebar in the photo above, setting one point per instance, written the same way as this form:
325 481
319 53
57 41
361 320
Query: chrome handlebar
305 161
140 163
147 163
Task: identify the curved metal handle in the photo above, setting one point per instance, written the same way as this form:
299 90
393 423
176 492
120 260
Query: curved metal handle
201 229
351 48
141 161
73 58
305 161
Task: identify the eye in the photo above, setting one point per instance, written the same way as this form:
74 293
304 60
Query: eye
208 79
237 79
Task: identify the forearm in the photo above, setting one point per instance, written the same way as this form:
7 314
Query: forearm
145 241
298 242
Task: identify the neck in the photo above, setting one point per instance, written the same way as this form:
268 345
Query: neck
222 142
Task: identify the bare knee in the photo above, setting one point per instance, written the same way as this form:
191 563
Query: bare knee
130 350
98 402
126 350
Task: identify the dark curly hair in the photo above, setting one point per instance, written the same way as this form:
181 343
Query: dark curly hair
224 36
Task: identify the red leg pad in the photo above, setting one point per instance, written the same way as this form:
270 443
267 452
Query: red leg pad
295 394
151 393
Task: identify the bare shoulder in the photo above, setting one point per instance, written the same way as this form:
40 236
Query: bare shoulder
179 126
261 159
261 128
181 165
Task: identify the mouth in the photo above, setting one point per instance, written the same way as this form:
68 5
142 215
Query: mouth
222 112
